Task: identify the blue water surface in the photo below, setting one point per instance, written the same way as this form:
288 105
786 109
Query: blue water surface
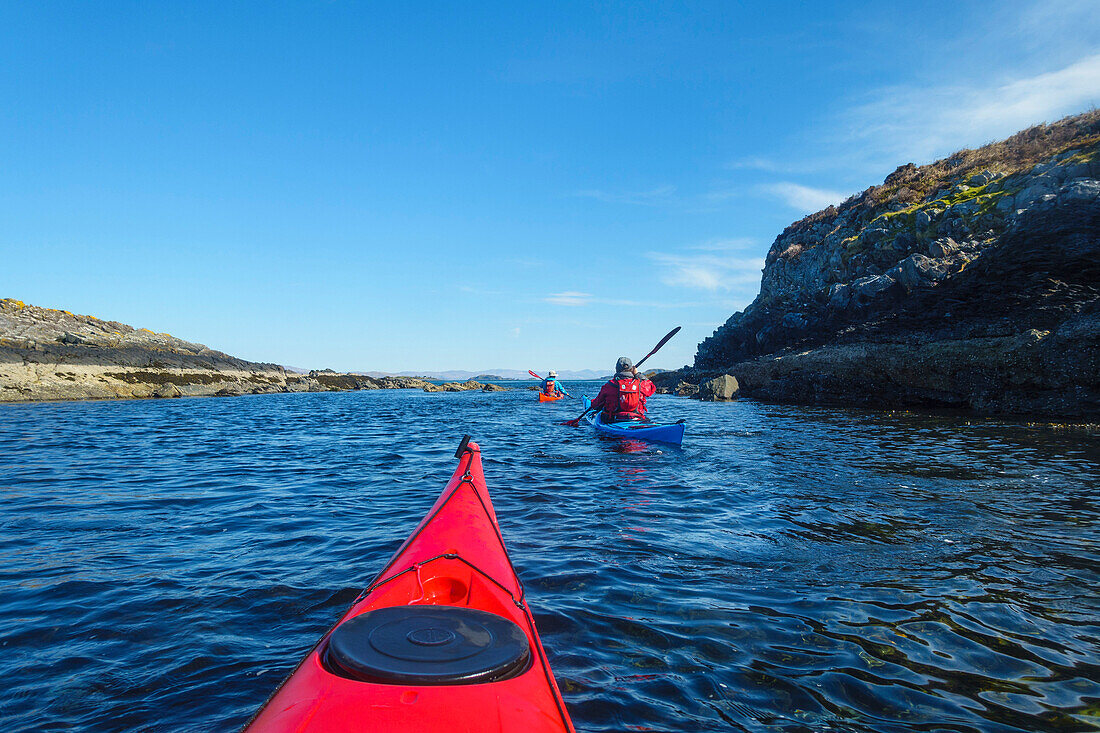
163 564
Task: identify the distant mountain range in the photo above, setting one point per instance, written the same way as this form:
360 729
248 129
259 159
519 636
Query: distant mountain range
458 375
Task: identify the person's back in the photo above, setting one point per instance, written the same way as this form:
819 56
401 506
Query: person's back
624 396
550 386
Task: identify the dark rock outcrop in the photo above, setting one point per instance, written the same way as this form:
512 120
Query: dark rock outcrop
467 386
973 282
682 389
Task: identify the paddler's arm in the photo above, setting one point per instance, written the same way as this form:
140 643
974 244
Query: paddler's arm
598 403
594 405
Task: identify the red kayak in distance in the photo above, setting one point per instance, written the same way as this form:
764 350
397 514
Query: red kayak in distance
543 397
441 641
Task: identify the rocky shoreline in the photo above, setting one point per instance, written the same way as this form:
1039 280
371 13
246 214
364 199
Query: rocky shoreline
973 283
48 354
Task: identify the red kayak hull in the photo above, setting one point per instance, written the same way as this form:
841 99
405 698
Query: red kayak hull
456 557
543 397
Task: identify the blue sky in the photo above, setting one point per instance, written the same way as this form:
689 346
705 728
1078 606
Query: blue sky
462 186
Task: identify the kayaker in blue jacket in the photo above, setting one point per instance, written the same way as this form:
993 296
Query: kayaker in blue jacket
550 385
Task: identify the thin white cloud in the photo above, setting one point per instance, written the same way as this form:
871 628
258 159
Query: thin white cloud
569 298
480 291
652 197
708 271
921 124
646 303
756 163
771 165
726 245
721 195
804 198
572 298
528 262
1059 31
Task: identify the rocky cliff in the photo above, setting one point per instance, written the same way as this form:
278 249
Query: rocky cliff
971 282
48 354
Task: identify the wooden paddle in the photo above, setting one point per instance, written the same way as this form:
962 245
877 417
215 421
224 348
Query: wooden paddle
577 420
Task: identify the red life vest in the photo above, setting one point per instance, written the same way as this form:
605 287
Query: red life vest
550 387
631 401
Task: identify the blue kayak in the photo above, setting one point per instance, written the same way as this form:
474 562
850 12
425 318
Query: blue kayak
636 429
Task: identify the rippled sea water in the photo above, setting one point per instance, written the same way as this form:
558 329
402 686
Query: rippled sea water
163 564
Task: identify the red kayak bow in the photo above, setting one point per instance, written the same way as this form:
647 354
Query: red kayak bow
442 640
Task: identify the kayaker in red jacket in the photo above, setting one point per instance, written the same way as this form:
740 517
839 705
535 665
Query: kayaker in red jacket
624 396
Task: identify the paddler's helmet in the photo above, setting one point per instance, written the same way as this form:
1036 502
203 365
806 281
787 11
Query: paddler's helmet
552 374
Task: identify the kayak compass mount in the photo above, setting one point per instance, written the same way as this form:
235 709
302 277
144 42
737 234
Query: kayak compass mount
462 446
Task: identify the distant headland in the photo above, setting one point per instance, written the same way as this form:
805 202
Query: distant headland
495 375
48 354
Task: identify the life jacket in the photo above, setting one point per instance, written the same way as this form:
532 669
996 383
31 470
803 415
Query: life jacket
631 401
550 387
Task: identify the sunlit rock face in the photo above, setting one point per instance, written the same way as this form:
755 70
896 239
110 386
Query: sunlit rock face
988 245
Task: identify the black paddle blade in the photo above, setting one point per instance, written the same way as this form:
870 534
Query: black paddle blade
661 343
664 341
